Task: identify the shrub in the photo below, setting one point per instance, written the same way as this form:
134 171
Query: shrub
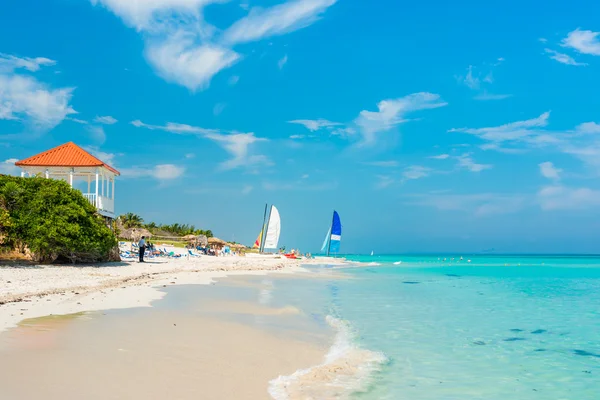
55 222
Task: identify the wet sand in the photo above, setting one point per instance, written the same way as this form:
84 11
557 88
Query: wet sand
148 354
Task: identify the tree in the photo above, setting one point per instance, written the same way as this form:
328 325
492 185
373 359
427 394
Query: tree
131 220
55 222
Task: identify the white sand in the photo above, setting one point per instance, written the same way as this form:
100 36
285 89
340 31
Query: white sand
31 292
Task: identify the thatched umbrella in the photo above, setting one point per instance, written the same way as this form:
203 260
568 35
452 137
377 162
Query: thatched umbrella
134 234
217 242
189 237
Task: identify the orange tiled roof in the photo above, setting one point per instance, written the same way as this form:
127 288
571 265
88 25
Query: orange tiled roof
66 155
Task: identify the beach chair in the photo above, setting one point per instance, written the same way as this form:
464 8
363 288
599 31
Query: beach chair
192 254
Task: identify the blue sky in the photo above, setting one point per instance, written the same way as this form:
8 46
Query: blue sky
429 126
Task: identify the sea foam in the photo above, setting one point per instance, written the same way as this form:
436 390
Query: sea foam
345 370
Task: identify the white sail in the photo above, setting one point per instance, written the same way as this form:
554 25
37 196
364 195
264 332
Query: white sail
326 240
273 229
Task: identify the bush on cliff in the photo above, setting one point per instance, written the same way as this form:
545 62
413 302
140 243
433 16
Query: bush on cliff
54 222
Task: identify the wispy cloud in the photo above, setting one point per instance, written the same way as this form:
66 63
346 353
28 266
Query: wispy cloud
218 108
563 58
106 120
479 82
236 144
548 170
9 63
233 80
180 60
465 161
415 172
161 172
97 133
276 20
281 63
393 112
315 124
186 50
584 41
384 164
24 98
383 181
485 96
247 189
559 197
7 167
441 157
478 204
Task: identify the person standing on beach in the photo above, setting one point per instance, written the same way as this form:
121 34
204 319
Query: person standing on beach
142 246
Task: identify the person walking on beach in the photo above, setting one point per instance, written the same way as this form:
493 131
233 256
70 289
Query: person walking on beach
142 246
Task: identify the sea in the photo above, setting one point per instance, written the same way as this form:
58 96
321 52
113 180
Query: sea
450 327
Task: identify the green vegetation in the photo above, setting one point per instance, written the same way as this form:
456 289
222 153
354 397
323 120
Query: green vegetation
52 221
131 220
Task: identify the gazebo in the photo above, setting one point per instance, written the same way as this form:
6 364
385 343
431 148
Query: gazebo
70 162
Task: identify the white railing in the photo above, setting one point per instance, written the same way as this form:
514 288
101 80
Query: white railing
103 204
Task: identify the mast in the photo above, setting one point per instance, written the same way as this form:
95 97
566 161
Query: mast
262 231
330 233
266 228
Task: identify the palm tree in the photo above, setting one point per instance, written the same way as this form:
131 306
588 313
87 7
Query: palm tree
131 220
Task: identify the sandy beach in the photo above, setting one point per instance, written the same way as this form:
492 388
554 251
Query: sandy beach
41 304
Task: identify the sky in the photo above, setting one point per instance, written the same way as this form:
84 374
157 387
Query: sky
429 126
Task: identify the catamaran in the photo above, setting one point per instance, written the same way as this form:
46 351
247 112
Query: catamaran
270 231
334 236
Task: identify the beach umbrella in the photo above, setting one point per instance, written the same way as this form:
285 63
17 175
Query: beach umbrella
135 234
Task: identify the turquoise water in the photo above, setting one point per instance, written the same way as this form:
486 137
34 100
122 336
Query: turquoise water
502 327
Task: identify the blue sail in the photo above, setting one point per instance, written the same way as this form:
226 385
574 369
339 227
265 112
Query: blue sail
336 234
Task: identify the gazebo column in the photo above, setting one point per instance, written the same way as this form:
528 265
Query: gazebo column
89 178
47 174
97 178
113 188
22 174
71 177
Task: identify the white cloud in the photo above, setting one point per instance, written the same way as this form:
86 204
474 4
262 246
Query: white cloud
233 80
8 167
465 161
186 50
383 181
384 164
218 108
153 15
27 99
548 170
109 158
441 157
276 20
415 172
393 112
9 63
97 133
563 58
173 127
78 121
161 172
585 42
247 189
509 132
588 128
565 198
178 59
190 155
485 96
471 81
297 137
107 120
479 204
236 144
281 63
315 125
